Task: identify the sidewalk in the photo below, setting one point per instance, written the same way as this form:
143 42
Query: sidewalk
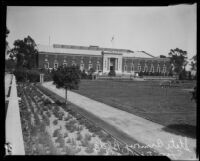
13 122
142 130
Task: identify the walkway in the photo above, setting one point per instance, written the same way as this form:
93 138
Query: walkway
13 122
142 130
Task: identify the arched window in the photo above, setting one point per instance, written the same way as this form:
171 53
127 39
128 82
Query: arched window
82 67
152 68
164 68
64 64
158 68
139 67
46 65
132 67
98 66
90 66
125 67
145 68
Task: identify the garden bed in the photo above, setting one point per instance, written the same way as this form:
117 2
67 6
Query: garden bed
53 128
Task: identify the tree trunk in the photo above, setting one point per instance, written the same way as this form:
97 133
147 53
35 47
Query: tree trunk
65 95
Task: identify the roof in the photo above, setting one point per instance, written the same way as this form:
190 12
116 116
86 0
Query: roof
138 54
91 47
51 49
91 50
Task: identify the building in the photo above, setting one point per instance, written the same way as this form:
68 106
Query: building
102 60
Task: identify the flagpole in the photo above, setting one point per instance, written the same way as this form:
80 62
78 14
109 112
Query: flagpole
49 40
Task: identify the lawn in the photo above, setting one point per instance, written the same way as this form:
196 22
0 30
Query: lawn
171 107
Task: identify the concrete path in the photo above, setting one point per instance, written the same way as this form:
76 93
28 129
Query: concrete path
142 130
7 80
13 123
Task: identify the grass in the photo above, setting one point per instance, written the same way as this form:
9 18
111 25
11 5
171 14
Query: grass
145 99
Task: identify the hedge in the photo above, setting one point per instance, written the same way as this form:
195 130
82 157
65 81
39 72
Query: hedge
23 75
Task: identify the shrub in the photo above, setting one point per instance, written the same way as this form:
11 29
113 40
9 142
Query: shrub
23 74
60 140
84 142
69 150
65 135
112 73
46 102
102 151
90 148
88 137
79 136
56 133
67 77
48 114
55 122
47 121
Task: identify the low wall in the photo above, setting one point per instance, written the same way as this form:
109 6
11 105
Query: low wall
130 77
13 122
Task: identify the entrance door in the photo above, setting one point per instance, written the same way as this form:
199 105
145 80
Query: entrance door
112 64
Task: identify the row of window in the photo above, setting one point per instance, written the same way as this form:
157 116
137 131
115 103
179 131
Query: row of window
46 66
146 68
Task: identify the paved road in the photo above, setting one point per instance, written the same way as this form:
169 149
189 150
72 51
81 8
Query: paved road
142 130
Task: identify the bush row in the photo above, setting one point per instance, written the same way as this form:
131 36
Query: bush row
23 75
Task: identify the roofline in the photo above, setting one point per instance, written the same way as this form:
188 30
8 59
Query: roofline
91 47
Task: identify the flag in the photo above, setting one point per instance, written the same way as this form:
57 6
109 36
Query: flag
112 39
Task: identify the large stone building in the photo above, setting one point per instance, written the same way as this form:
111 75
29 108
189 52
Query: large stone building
102 60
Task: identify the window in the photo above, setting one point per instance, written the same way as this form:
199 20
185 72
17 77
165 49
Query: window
139 67
158 68
64 64
125 67
46 65
98 67
73 63
164 68
56 65
145 68
82 67
152 68
132 67
90 66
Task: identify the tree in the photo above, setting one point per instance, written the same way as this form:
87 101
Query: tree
7 32
25 52
67 77
178 58
162 56
194 63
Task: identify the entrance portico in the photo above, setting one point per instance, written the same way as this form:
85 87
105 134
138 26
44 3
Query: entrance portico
112 61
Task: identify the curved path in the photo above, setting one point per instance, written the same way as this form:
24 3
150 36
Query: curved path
140 129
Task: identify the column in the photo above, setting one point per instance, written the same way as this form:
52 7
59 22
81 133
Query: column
119 64
104 64
116 63
108 67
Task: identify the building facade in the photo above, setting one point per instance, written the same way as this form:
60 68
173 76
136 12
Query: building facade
102 60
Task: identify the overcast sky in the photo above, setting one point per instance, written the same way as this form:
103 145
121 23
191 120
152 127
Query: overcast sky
155 30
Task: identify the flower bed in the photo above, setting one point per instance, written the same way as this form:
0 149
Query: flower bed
49 128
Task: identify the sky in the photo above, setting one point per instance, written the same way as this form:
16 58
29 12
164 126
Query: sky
155 30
